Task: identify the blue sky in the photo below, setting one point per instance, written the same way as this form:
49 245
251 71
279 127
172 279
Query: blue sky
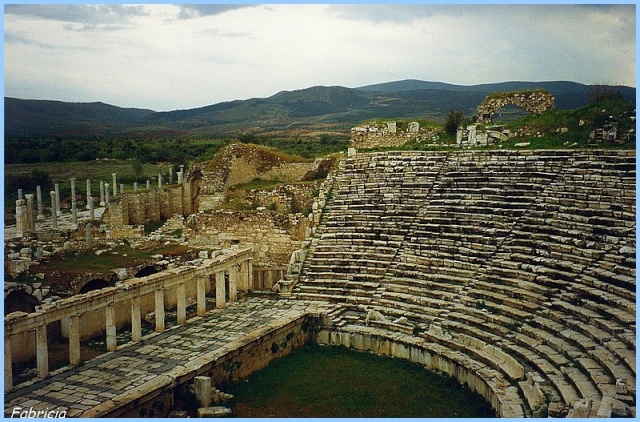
169 57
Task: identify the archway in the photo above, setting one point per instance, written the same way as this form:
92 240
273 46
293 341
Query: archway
509 113
534 101
19 300
95 284
148 270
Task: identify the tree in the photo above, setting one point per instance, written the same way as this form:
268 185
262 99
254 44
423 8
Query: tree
137 169
452 121
597 93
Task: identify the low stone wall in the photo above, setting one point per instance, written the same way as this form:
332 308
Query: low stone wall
369 140
503 398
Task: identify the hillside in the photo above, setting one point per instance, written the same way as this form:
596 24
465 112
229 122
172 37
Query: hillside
35 118
315 108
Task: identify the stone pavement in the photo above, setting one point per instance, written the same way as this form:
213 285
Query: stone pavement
116 376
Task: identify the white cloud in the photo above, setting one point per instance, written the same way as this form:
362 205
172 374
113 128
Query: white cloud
171 57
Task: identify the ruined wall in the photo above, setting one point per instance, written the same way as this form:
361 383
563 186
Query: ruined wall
379 139
138 208
272 236
536 102
238 164
286 199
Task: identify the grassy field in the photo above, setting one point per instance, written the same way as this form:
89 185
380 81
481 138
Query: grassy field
318 381
20 176
97 170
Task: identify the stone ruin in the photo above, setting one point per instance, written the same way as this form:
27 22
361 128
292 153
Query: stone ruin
512 271
276 222
478 136
374 136
535 101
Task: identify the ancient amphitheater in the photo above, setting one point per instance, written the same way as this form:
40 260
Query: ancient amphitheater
513 271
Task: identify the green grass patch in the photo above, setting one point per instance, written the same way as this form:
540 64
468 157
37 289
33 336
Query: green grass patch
258 184
317 381
108 260
235 205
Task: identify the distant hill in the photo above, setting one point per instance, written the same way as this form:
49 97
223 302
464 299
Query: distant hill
327 107
43 118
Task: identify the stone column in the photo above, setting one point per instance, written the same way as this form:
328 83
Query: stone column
159 310
182 304
88 192
249 275
88 235
115 184
220 290
136 325
106 193
57 189
31 221
170 175
111 327
39 200
233 282
54 218
74 340
74 209
8 364
242 276
42 352
22 223
135 186
102 201
92 213
202 390
182 168
160 180
148 184
200 296
180 178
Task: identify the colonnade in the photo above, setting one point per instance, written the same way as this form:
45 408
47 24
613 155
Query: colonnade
236 267
26 220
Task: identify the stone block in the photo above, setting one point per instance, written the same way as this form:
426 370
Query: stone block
214 412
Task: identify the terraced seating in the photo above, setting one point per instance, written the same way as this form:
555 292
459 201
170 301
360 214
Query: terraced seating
523 263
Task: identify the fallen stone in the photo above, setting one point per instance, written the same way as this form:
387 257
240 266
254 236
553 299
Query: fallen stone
179 414
214 412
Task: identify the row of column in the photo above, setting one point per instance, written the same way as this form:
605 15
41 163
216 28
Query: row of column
25 221
240 275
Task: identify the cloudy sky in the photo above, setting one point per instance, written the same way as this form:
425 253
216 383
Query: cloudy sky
168 57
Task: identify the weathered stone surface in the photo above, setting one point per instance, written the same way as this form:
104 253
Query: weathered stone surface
214 412
533 101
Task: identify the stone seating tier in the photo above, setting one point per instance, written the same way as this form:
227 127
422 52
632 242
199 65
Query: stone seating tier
531 252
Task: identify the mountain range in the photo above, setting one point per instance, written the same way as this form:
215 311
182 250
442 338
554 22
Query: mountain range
320 107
